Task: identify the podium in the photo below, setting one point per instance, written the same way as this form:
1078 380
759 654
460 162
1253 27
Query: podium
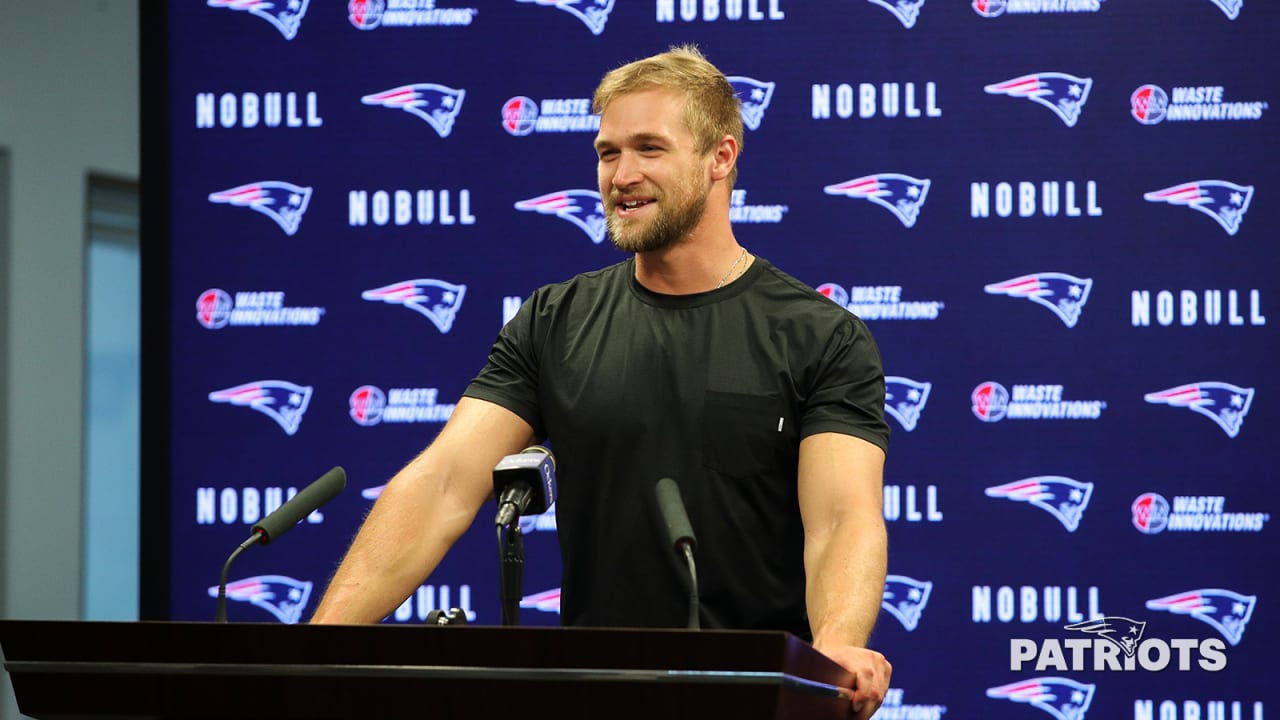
62 670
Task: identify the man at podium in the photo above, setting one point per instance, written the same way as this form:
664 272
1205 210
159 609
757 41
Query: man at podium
693 359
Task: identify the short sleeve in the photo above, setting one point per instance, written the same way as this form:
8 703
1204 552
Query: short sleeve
846 394
510 376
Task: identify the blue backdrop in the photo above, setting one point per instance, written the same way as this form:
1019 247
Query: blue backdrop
1054 215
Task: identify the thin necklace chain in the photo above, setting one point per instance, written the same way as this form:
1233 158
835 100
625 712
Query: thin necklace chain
731 268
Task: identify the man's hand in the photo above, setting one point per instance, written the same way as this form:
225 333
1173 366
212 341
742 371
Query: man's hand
871 672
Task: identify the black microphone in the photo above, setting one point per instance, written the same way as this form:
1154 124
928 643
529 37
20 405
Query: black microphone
278 523
671 505
301 505
680 536
524 484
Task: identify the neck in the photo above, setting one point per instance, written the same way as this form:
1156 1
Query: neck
697 263
682 270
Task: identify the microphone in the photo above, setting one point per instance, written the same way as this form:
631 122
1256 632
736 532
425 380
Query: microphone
671 505
524 484
680 537
278 523
301 505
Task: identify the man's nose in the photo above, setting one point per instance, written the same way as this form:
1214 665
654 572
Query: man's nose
626 171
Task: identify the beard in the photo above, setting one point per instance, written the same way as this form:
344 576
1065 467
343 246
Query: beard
678 213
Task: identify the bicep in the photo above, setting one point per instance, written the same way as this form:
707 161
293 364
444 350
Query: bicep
840 478
458 465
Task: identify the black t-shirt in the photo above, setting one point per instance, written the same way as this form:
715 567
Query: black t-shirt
714 390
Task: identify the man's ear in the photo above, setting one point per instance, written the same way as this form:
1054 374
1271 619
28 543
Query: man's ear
723 157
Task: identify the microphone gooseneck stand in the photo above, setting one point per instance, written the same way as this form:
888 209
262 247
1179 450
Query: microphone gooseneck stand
221 612
511 578
693 586
680 535
278 522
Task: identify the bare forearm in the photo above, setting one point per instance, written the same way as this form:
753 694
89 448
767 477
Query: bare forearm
423 510
405 536
846 569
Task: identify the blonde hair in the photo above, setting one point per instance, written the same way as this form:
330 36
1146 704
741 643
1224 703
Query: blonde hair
711 108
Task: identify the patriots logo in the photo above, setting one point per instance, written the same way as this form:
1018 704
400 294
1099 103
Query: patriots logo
1061 497
754 96
281 401
1228 612
281 201
905 10
901 195
437 104
1060 697
905 599
990 8
593 13
583 208
437 300
1225 202
279 595
546 601
1230 7
1064 94
1223 403
1064 294
904 399
285 16
1129 631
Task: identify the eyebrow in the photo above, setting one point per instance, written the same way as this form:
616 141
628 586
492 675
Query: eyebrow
638 138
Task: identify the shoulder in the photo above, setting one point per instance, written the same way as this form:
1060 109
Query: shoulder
795 303
569 302
587 284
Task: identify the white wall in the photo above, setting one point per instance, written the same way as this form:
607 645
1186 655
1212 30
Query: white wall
68 107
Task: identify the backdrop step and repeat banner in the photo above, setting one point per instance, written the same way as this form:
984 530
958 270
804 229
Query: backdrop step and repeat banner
1057 217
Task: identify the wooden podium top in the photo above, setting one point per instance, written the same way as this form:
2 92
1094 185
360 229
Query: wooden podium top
250 670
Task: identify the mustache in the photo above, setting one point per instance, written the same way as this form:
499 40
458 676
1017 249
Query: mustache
615 196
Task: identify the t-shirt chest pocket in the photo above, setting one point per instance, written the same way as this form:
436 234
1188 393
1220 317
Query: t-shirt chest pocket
746 435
